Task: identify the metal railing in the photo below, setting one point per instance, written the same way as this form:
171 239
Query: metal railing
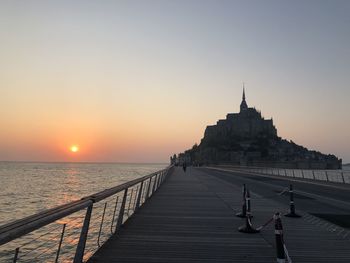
74 231
334 176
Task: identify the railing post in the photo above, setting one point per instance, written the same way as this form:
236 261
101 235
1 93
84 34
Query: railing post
115 209
143 194
60 244
79 253
342 176
313 174
15 257
293 173
327 176
154 184
139 197
160 178
135 199
130 200
158 181
101 225
302 173
121 211
165 175
148 188
285 172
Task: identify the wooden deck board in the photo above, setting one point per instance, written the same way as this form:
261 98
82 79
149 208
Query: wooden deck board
191 219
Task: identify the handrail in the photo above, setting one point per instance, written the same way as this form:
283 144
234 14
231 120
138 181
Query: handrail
334 176
37 216
26 225
18 228
113 190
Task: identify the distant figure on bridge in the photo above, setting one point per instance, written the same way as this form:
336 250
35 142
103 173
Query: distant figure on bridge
184 167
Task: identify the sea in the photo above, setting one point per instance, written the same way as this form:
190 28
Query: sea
27 188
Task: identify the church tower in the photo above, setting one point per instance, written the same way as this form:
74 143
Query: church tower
244 105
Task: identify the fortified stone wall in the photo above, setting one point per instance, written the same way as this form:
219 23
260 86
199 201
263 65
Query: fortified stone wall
248 123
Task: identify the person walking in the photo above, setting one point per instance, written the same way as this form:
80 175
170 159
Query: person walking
184 167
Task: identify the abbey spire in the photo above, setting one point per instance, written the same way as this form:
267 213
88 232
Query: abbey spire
244 105
243 97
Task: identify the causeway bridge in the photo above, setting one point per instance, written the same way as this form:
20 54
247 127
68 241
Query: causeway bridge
190 216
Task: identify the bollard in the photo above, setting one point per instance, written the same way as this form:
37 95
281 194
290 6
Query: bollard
281 250
291 204
244 206
281 257
248 228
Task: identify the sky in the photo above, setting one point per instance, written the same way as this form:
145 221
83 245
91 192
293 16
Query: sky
136 81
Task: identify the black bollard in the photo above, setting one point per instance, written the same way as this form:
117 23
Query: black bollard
248 228
281 256
244 205
291 204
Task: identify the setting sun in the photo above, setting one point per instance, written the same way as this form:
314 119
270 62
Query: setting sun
74 148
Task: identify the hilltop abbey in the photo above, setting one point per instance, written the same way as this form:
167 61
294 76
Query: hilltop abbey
248 123
246 138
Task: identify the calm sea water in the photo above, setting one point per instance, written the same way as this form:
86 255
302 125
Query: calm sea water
27 188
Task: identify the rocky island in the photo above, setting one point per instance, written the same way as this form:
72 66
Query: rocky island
246 138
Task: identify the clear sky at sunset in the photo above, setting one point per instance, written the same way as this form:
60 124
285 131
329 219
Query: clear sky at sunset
136 81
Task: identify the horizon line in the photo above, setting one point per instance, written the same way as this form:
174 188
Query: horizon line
87 162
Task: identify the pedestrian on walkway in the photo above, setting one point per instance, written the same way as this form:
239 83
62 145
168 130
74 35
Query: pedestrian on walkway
184 167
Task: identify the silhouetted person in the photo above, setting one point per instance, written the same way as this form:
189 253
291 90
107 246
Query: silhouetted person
184 167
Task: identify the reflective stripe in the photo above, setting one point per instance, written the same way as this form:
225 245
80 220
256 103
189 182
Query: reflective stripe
250 223
276 216
278 232
281 260
292 202
286 253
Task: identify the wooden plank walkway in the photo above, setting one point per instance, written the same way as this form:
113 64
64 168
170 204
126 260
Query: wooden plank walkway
191 219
